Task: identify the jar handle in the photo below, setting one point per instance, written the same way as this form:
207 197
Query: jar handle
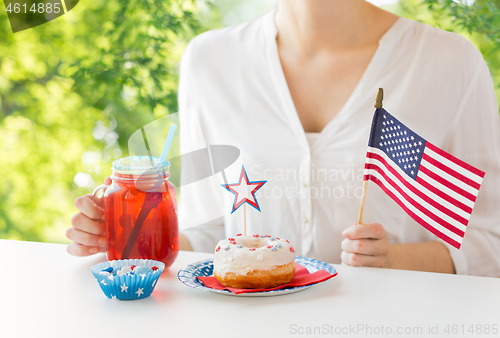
98 195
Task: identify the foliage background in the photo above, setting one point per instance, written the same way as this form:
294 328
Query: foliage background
73 91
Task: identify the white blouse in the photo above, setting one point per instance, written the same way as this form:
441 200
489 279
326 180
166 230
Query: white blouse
435 82
311 138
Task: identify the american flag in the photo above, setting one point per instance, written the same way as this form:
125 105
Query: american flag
435 188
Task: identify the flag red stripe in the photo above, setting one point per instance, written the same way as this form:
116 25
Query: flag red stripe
444 195
454 159
423 196
430 201
451 172
417 205
414 216
448 184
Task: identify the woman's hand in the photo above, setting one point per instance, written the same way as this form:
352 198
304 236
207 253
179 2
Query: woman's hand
88 230
365 245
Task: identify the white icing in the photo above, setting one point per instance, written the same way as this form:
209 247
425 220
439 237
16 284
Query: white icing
241 261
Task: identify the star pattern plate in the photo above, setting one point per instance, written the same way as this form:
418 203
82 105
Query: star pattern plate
205 268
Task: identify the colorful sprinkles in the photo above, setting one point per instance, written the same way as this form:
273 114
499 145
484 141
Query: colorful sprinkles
126 271
232 241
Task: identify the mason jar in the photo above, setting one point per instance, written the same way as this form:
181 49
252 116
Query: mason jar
140 210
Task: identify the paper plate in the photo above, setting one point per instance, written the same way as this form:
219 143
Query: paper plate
205 268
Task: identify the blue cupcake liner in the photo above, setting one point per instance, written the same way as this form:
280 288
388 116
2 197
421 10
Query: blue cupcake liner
127 287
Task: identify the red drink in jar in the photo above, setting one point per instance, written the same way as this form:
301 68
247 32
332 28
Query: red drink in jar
140 207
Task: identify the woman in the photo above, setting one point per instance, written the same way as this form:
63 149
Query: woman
294 90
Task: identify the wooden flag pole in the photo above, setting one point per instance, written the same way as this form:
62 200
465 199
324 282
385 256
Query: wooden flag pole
362 206
379 98
244 219
378 105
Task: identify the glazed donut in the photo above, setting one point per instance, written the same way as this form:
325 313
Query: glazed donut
254 262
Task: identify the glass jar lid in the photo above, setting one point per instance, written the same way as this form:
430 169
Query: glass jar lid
138 165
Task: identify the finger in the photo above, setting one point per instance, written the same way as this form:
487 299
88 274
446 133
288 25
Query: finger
371 230
82 222
86 205
98 199
82 237
77 249
372 247
355 259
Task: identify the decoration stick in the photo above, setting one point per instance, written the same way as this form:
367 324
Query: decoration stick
245 219
378 105
242 197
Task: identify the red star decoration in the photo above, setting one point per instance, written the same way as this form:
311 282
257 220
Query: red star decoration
244 191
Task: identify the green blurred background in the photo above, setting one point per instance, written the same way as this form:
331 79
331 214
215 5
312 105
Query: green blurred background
72 91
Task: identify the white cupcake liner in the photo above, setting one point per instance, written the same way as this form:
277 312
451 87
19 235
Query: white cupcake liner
129 287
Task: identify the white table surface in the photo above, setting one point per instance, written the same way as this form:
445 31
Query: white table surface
45 292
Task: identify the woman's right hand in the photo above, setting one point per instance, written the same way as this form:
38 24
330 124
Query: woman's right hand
88 232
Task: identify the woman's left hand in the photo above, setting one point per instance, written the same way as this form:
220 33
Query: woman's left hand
365 245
